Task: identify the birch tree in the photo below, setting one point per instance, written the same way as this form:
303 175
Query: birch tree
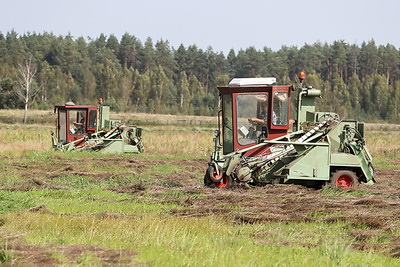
25 79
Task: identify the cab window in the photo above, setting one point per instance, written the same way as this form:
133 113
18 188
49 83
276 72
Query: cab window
62 122
280 109
227 123
92 119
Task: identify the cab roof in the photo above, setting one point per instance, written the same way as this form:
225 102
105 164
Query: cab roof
237 82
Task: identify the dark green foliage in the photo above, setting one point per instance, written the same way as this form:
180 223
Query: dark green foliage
360 82
8 99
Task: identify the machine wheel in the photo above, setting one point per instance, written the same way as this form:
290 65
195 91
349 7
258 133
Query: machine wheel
212 175
226 182
211 179
207 181
344 180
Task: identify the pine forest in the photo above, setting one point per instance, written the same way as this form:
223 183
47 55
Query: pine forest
359 81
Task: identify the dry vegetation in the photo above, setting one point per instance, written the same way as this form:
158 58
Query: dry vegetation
19 137
48 117
166 139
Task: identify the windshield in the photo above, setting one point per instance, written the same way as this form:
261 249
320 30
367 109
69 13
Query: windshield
77 122
252 117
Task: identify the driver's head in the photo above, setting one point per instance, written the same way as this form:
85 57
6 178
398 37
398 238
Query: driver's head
264 105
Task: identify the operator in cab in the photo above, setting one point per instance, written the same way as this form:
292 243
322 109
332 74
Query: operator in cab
262 119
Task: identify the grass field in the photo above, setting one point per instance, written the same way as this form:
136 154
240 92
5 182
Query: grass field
151 209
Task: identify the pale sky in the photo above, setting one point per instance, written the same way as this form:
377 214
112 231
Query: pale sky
221 24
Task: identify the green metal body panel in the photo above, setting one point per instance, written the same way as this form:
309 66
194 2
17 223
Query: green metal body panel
344 160
119 146
104 119
104 115
314 165
336 136
306 105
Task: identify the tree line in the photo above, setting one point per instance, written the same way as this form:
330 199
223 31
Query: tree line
357 81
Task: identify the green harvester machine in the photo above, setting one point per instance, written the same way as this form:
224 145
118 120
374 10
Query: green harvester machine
257 144
82 128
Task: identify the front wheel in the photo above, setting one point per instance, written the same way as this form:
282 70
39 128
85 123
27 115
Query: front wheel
344 180
213 175
212 179
226 182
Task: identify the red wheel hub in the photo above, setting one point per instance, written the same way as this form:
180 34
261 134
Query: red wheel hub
344 181
223 183
217 176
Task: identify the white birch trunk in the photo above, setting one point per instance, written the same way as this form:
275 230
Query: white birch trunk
25 80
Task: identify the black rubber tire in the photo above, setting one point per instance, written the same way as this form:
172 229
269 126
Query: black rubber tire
207 181
211 174
344 179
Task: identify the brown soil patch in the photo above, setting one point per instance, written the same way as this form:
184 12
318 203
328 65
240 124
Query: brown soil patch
106 256
29 255
33 255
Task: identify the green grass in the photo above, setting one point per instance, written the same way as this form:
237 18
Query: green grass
82 201
5 256
12 201
88 259
180 194
207 241
385 162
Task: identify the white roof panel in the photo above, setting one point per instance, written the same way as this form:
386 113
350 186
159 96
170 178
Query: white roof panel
252 81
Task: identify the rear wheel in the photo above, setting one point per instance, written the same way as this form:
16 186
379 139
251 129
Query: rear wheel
344 180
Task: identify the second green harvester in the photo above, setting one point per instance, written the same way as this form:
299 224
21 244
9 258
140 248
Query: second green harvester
89 128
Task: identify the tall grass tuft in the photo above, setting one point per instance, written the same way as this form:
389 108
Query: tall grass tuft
335 251
6 257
